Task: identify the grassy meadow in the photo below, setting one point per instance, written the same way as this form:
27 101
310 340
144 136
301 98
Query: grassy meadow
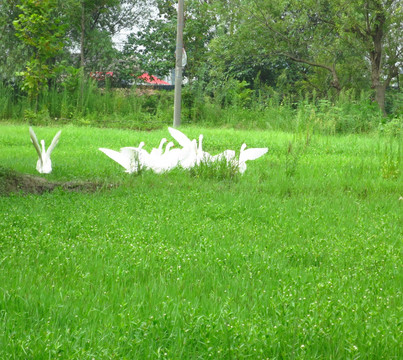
298 258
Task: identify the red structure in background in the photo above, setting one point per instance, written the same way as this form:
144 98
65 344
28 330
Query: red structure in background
152 79
149 79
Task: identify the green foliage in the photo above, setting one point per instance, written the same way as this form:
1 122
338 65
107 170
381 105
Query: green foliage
154 45
346 114
232 92
393 127
234 106
290 47
325 39
39 28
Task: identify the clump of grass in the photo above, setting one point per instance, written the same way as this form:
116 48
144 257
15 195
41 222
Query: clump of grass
291 160
393 128
390 168
219 170
391 162
295 151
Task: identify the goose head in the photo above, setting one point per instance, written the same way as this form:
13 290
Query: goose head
168 147
163 141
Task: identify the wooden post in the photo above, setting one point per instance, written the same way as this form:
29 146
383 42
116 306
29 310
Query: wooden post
178 66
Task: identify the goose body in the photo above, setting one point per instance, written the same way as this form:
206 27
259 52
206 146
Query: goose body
131 158
44 163
191 154
188 157
227 155
166 161
137 156
158 151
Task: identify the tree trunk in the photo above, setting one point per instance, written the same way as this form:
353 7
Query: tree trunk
375 56
376 82
82 35
82 60
380 92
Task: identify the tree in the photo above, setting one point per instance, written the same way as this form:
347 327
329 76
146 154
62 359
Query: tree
39 28
154 44
13 53
92 25
328 36
375 27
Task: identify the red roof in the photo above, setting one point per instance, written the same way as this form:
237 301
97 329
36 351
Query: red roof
152 79
101 75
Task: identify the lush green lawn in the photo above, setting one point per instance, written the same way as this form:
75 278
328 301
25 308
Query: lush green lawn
299 258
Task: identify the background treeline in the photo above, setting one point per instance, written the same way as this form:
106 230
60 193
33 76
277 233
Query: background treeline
333 65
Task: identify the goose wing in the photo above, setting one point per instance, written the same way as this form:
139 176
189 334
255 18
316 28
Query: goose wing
117 156
137 157
179 136
34 140
252 154
53 143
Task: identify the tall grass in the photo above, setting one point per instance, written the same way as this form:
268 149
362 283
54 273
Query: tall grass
239 108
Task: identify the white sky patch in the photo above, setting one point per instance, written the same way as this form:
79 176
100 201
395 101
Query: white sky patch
120 38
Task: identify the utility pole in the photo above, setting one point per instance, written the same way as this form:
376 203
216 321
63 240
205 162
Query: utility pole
178 66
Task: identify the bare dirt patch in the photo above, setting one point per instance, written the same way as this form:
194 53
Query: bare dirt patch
13 182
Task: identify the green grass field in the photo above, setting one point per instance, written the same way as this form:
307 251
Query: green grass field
299 258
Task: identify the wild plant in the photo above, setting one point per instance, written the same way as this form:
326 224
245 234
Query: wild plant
295 151
392 159
220 169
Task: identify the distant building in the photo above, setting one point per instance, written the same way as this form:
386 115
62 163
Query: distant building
152 79
145 80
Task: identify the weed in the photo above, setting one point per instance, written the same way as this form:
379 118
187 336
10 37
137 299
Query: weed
392 128
392 159
219 170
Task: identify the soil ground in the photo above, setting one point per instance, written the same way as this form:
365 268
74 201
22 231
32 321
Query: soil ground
13 182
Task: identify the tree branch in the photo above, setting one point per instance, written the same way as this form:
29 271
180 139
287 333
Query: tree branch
332 69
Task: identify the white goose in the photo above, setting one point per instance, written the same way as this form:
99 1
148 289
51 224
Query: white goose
165 162
158 151
188 157
131 158
44 164
249 154
179 136
227 155
202 155
138 157
192 157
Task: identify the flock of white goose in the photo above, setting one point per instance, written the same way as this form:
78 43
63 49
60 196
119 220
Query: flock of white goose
158 159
